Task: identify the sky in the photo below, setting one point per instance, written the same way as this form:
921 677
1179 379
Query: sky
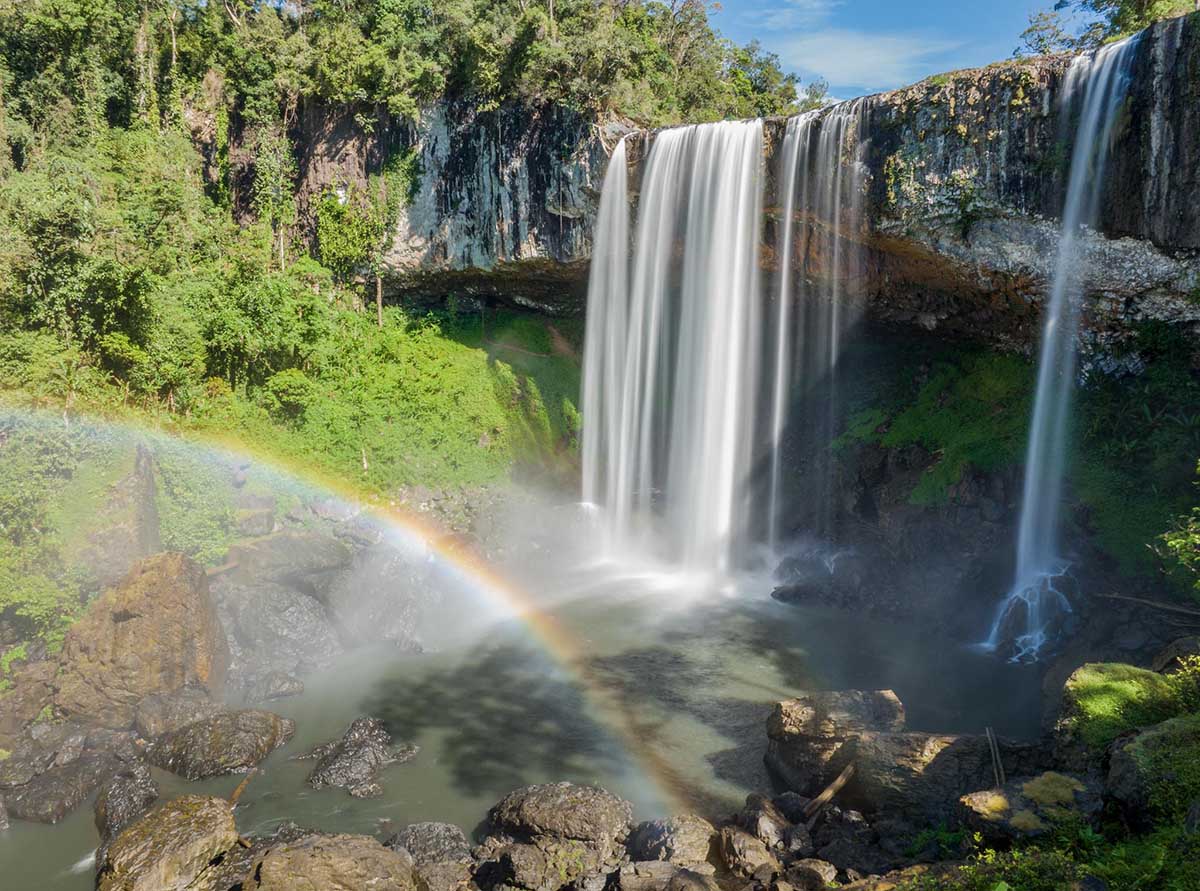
863 46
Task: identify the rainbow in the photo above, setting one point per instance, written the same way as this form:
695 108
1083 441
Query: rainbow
555 638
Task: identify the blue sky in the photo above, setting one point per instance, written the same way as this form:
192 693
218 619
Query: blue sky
862 46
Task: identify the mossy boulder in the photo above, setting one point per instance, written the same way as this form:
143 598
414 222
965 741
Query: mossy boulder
1029 807
227 742
1155 775
169 848
1102 700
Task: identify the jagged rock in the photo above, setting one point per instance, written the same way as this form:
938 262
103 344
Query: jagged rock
122 799
1170 658
764 820
805 732
378 598
1027 808
156 632
332 863
659 875
229 742
684 840
299 559
554 811
442 875
274 685
51 795
170 847
30 694
743 854
432 842
1152 775
163 712
354 761
237 865
525 866
811 874
792 805
275 629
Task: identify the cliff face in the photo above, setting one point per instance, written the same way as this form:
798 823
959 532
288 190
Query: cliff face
963 178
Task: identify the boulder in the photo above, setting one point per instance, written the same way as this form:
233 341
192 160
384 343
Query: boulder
564 811
745 855
123 798
1102 700
164 712
169 848
274 628
764 820
157 632
354 761
228 742
1172 657
811 874
920 776
684 840
296 559
442 875
804 733
1029 807
30 693
432 843
53 794
1154 776
320 862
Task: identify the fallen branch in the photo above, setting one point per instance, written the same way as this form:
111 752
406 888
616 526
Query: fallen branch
1169 607
813 809
241 787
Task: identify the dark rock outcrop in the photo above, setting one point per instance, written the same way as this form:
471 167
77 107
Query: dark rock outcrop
56 792
162 713
354 761
804 733
227 742
685 840
169 848
157 632
122 799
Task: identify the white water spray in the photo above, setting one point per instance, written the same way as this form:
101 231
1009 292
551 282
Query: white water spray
1028 618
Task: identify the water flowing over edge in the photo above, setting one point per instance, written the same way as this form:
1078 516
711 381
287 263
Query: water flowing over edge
1030 617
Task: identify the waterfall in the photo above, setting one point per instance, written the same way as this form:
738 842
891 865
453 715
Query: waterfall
821 184
673 347
1029 617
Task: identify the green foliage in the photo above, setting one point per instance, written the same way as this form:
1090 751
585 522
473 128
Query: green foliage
42 605
972 410
1168 755
1181 548
1094 22
1135 454
349 229
947 842
195 510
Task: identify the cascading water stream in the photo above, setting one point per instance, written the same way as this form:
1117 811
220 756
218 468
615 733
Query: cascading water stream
1028 617
821 185
672 357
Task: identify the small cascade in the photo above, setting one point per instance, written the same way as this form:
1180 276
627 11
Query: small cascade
820 269
672 358
1032 615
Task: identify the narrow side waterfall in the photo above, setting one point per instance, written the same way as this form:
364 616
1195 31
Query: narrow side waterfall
820 187
673 354
1031 615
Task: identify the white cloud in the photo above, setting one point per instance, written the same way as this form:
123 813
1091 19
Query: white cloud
791 15
849 58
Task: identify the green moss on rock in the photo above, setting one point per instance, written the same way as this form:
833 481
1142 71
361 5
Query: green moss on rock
1102 700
